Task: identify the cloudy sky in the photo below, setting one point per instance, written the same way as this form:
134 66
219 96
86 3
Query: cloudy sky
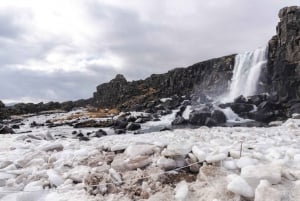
62 49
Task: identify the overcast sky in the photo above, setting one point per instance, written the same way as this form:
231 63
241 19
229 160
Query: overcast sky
62 49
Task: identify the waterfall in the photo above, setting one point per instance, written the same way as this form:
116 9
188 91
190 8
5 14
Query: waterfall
246 72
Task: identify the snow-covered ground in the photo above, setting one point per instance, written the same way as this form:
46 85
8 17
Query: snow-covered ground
141 167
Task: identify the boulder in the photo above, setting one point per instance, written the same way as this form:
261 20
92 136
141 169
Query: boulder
218 116
120 131
6 130
240 99
179 120
119 124
199 117
100 133
209 122
257 99
240 108
133 126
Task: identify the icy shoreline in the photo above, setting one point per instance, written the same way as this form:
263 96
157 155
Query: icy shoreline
45 168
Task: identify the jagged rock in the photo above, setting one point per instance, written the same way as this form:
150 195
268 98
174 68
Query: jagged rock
165 129
119 124
120 131
133 126
257 99
6 130
93 123
240 99
218 116
34 124
284 56
83 138
240 108
100 133
210 122
179 120
181 81
199 117
15 126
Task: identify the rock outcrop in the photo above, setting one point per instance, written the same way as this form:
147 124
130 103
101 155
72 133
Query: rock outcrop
209 77
283 69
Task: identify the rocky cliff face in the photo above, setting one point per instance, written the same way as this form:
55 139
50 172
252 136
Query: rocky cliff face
209 77
283 69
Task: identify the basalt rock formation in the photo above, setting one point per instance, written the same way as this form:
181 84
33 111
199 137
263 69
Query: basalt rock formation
280 78
209 77
283 69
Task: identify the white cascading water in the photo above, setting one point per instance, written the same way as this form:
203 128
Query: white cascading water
246 72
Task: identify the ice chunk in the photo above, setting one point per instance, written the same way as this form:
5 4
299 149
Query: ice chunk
137 162
239 186
166 163
4 177
52 147
139 150
115 176
54 177
216 158
201 155
264 192
245 161
175 150
181 191
118 147
229 165
253 174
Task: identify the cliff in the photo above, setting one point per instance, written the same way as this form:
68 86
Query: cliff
209 77
283 69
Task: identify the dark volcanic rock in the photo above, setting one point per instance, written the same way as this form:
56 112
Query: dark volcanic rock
179 120
100 133
210 122
15 126
119 124
6 130
240 99
257 99
120 131
218 116
93 123
240 108
133 126
209 77
283 69
199 117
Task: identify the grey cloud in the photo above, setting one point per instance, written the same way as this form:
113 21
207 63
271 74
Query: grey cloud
148 46
58 86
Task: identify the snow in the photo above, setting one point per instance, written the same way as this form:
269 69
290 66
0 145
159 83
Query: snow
57 168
